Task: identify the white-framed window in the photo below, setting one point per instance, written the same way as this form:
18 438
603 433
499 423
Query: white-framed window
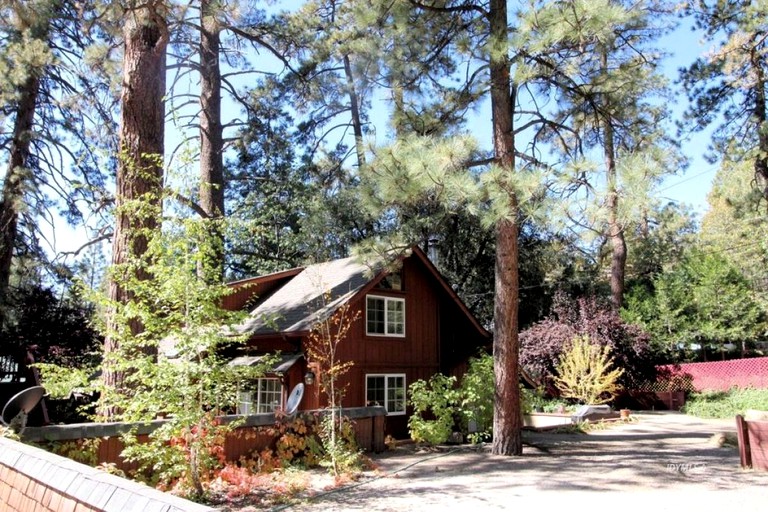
384 316
387 390
265 397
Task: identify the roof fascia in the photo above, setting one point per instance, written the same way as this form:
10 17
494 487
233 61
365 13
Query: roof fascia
266 278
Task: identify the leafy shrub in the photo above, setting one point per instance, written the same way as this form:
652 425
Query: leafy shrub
297 444
535 400
726 404
338 445
437 398
584 372
476 397
542 345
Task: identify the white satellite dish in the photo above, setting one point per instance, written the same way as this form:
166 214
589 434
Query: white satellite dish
294 399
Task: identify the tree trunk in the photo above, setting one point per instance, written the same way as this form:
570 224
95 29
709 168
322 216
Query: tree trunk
507 417
615 228
140 167
13 186
761 117
354 105
211 137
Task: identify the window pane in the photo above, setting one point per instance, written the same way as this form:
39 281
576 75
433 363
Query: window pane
396 393
395 317
270 395
375 391
375 315
245 402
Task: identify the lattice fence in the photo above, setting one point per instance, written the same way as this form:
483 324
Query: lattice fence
715 375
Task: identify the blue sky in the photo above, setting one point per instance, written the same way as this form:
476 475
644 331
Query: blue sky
690 186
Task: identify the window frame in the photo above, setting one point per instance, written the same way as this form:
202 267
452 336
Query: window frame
387 300
386 377
253 399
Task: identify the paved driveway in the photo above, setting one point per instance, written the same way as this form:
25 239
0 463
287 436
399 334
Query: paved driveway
664 461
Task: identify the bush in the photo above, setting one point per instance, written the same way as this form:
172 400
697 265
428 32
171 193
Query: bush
726 404
476 399
542 345
437 398
584 372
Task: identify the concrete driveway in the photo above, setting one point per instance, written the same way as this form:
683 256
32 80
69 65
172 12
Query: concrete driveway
663 461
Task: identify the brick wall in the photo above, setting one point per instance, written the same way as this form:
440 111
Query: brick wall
34 480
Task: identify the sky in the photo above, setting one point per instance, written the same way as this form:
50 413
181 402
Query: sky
689 186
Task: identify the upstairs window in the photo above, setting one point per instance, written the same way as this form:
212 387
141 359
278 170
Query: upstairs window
385 316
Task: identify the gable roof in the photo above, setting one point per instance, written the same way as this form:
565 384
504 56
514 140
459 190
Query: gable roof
300 303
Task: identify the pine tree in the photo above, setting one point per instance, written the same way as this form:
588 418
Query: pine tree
52 98
140 168
605 73
729 85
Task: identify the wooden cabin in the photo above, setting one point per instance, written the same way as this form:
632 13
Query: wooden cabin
411 325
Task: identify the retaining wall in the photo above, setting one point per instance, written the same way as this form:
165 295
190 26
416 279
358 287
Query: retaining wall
247 438
34 480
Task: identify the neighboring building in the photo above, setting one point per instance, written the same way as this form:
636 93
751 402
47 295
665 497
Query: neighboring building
411 326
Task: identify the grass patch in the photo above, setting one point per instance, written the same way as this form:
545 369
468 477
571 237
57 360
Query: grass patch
725 404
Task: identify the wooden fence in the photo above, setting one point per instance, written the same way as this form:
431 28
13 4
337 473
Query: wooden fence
753 443
249 437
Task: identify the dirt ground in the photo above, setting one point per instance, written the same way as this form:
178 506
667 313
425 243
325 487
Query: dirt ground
661 461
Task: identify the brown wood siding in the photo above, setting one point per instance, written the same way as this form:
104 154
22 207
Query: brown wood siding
439 337
416 354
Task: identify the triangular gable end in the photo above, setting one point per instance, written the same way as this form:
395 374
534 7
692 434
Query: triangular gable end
422 257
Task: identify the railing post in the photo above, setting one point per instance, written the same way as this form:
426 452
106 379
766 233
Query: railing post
745 454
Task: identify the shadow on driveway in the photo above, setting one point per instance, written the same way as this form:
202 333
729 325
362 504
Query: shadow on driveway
660 458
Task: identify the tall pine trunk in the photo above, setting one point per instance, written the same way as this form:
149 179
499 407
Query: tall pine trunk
761 117
507 417
211 137
615 227
140 167
354 105
13 186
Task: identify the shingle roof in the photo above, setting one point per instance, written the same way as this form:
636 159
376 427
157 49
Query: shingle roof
297 305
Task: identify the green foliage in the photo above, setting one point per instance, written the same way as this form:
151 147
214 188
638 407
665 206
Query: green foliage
535 400
325 337
726 404
60 381
9 433
585 373
340 453
173 367
437 398
439 403
726 86
85 451
54 329
476 398
699 306
735 224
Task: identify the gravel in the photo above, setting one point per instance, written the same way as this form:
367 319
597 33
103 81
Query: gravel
659 461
